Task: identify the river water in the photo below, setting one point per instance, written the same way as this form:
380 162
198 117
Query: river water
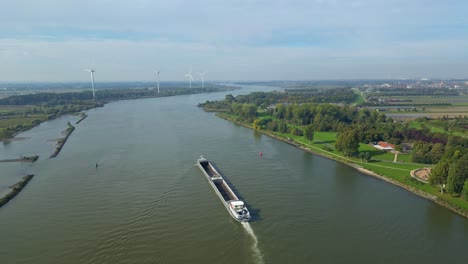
148 203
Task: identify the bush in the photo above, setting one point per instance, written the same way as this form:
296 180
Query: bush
295 131
327 148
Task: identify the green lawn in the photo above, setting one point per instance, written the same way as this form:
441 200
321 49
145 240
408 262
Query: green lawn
328 137
435 129
454 100
12 122
12 108
359 98
418 125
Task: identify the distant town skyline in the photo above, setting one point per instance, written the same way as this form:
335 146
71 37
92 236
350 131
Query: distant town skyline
52 40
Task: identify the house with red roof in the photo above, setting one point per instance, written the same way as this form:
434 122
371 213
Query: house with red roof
382 145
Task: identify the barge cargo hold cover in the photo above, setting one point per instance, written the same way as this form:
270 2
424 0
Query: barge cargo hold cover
234 206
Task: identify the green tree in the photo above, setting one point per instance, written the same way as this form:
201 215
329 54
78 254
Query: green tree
458 173
261 123
283 127
362 155
295 131
421 152
249 110
347 142
236 108
367 156
453 180
256 124
465 190
309 132
440 172
229 98
436 153
5 133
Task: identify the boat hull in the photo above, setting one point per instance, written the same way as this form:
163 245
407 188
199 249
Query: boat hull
223 191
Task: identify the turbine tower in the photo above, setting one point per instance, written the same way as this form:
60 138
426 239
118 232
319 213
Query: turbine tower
157 78
92 79
203 79
189 75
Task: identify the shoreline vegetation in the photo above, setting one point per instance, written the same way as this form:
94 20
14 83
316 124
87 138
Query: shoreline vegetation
62 141
332 156
337 124
15 189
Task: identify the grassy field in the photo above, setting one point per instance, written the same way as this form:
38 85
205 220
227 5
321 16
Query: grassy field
418 125
436 129
329 138
452 106
453 100
12 122
359 99
13 108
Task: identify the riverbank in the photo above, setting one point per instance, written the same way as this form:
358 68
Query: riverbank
62 141
326 154
15 189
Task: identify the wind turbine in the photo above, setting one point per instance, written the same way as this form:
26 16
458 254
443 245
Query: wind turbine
92 79
189 75
203 79
157 78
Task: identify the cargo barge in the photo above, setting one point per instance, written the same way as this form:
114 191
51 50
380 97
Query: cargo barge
234 206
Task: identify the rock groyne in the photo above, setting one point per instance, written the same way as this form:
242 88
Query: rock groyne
82 118
62 141
15 189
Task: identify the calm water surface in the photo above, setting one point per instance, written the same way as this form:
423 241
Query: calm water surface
148 203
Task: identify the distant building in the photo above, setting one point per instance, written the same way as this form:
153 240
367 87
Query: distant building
382 145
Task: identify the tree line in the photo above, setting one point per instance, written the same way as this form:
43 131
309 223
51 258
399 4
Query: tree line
51 99
354 125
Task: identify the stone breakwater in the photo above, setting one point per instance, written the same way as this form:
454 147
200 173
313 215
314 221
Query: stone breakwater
62 141
81 119
15 189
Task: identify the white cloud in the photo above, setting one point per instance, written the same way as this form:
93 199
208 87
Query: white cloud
53 40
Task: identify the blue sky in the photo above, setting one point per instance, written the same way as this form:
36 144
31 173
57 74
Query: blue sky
54 40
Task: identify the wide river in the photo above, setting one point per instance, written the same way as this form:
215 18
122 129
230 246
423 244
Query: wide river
148 203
